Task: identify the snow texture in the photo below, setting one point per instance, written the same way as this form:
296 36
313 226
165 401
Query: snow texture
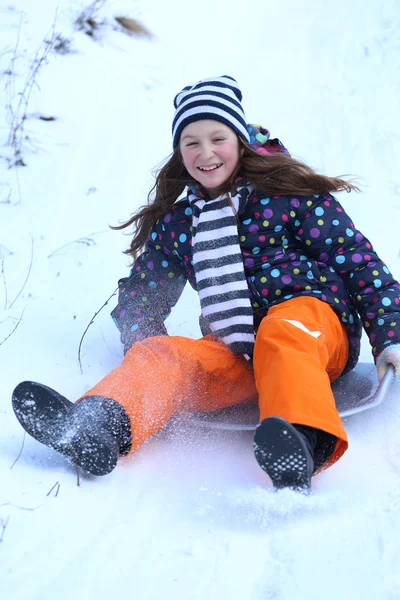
190 515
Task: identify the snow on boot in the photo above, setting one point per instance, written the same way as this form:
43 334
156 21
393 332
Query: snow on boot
284 453
92 432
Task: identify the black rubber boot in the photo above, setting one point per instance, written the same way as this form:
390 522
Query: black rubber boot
93 432
285 453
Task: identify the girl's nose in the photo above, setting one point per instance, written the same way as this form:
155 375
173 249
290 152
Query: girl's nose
207 150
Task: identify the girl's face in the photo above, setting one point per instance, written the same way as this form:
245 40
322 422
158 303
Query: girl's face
210 153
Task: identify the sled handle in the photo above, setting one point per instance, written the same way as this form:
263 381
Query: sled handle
376 398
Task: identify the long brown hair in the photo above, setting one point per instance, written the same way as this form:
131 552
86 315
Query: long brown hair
274 174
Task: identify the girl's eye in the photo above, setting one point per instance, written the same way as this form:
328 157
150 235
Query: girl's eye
219 139
191 144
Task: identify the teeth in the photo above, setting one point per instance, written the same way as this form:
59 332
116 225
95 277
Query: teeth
209 168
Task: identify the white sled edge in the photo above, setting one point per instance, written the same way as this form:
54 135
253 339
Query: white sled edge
374 399
369 402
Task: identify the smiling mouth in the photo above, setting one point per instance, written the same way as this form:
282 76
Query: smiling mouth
208 169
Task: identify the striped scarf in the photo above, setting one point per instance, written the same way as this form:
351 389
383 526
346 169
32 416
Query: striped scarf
218 267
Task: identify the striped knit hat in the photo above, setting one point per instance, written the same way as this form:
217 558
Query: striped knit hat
217 98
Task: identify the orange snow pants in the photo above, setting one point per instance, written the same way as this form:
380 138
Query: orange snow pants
300 347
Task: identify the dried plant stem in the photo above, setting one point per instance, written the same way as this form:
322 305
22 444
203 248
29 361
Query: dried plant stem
118 289
27 275
89 324
15 327
18 115
3 525
27 508
18 187
58 489
9 86
87 240
4 278
20 452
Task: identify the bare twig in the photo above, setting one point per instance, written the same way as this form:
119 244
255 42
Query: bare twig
118 289
27 508
88 241
75 461
20 452
7 199
9 86
6 50
19 114
90 322
7 250
105 341
18 187
4 251
58 489
15 327
3 525
27 275
4 277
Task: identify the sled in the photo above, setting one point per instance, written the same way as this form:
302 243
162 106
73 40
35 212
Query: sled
353 394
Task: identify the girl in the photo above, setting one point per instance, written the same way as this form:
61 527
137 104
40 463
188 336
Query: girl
283 278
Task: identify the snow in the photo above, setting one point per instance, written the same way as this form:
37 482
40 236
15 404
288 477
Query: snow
189 515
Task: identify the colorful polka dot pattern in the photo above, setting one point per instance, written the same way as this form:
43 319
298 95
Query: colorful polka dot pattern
260 141
291 246
157 278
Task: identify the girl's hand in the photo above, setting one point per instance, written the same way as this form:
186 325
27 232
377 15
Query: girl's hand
389 356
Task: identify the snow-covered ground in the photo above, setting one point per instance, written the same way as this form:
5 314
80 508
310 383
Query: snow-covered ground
190 515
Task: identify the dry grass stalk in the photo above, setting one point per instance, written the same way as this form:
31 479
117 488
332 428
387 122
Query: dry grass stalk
3 525
17 110
14 328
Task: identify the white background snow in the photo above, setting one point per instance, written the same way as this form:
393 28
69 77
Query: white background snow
190 515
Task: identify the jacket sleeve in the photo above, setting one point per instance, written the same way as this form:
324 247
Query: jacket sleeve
146 297
328 234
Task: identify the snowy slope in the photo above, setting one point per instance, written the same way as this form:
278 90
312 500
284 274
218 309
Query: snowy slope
190 515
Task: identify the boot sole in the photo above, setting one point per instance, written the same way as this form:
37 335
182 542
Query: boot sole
283 455
37 408
42 412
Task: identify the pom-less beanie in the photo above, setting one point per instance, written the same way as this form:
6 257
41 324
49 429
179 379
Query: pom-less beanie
217 98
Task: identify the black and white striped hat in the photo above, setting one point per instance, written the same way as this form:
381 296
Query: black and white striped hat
217 98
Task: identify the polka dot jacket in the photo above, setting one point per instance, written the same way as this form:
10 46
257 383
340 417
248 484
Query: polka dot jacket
291 246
